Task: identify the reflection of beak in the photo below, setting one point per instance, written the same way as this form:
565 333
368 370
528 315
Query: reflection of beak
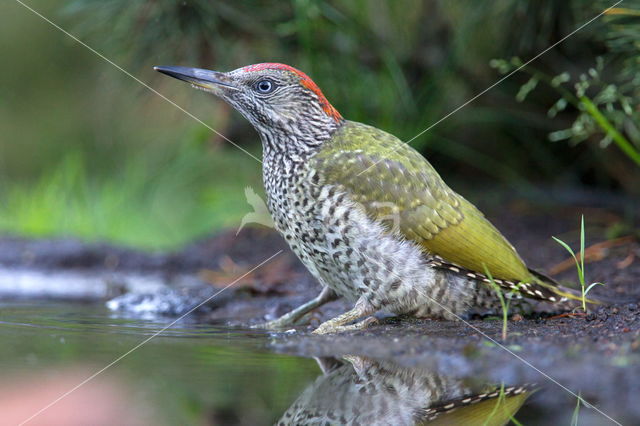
209 80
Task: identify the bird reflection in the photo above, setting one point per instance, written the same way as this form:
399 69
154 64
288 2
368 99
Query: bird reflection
363 391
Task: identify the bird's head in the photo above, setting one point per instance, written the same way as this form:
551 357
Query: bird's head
284 105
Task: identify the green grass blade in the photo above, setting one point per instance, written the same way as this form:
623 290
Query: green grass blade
582 246
575 258
515 421
576 412
591 286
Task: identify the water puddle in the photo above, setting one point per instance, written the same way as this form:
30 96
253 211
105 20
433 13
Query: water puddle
210 374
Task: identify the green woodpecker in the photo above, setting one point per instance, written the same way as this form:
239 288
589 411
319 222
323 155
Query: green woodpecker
363 391
367 214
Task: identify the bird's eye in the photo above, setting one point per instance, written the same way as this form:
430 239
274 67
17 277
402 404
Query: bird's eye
265 86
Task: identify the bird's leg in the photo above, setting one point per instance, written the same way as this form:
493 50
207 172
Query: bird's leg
336 325
360 364
327 364
290 318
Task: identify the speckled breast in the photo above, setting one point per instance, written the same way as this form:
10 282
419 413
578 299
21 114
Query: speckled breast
291 200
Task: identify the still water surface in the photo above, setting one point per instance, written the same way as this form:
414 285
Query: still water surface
210 375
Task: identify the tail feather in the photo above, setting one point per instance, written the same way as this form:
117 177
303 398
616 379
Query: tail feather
575 294
493 407
565 292
540 286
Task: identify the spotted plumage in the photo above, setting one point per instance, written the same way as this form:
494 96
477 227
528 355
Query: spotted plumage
353 254
367 214
362 391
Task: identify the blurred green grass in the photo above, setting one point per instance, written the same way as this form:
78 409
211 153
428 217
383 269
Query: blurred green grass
86 151
157 206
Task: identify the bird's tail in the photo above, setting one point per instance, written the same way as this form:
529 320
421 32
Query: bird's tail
539 287
575 295
566 293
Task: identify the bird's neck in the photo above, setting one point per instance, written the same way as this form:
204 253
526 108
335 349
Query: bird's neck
297 139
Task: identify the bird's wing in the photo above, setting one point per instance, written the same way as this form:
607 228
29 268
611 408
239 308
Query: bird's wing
391 179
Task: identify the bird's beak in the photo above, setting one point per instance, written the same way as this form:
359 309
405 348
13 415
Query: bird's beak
205 79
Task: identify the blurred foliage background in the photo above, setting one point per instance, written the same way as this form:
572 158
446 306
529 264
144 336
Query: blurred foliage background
87 151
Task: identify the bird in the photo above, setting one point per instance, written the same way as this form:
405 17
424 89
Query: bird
357 390
332 186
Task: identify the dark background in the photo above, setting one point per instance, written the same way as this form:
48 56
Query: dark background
87 151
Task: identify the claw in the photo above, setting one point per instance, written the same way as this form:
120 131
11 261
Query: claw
290 319
277 324
328 327
361 309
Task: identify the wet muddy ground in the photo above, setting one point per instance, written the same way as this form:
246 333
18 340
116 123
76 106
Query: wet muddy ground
598 352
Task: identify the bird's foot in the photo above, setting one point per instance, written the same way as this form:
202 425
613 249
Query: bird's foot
361 309
331 327
281 323
291 318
